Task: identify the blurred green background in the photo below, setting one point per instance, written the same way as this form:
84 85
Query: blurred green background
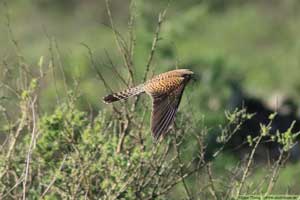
256 43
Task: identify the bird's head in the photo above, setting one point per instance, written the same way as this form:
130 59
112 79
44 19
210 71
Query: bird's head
186 73
190 75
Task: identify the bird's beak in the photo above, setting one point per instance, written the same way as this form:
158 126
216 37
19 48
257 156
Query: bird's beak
196 77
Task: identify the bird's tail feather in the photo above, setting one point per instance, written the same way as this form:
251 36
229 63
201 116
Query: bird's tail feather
124 94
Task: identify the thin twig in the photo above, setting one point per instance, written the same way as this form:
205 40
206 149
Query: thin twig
52 64
63 73
212 185
17 134
132 37
33 133
123 50
161 18
124 133
246 171
113 67
177 149
275 173
18 182
99 74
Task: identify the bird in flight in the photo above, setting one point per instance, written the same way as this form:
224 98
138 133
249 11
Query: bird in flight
166 90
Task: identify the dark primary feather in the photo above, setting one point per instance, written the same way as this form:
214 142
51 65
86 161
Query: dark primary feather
164 110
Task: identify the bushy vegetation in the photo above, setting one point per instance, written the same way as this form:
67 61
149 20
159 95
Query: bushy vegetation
58 141
66 155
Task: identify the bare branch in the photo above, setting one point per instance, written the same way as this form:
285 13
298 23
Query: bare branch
33 137
161 18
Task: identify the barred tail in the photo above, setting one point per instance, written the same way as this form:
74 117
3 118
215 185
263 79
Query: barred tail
124 94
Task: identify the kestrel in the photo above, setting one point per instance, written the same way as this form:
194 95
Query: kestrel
166 90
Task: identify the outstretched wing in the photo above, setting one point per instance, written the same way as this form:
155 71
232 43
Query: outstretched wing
164 110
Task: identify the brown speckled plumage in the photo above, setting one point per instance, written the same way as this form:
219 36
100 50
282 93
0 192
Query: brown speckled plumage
166 91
